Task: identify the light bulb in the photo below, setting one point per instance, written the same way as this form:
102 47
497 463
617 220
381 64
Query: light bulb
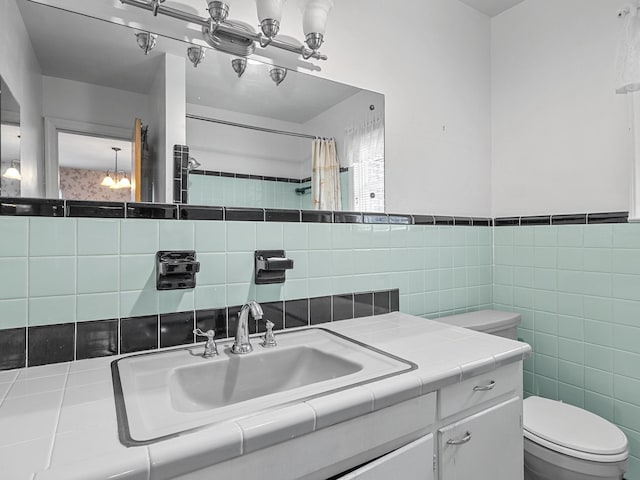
270 9
314 22
12 173
107 181
124 183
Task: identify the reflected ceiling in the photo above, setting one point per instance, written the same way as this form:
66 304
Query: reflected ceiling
102 53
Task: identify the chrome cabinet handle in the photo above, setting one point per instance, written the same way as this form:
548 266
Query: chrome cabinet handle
485 388
462 441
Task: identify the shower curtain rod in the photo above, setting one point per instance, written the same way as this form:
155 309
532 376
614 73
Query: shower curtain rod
251 127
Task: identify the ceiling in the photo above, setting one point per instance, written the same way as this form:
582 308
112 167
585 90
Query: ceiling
492 7
92 153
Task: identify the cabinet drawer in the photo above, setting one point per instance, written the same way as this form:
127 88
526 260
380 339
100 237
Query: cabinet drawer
411 462
474 391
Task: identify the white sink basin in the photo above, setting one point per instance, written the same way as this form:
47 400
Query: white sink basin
235 379
162 394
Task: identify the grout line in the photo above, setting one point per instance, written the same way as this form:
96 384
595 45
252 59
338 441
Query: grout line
58 415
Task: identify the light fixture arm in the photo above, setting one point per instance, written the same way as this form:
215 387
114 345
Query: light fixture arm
265 41
223 27
307 54
155 5
115 172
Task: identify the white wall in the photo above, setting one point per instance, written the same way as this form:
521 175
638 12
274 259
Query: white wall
20 69
84 102
561 138
431 59
167 125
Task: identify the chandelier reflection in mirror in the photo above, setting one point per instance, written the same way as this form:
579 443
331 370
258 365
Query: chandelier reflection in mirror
12 173
117 182
238 38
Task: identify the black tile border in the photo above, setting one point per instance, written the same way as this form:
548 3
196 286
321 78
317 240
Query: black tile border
244 214
158 211
577 219
274 215
180 174
152 211
565 219
540 220
266 178
32 207
43 345
609 217
83 208
191 212
506 221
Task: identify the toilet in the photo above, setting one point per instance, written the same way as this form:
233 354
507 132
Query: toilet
561 442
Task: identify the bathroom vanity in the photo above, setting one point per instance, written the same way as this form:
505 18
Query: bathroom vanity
445 404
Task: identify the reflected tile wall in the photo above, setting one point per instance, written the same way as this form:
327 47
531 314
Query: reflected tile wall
577 288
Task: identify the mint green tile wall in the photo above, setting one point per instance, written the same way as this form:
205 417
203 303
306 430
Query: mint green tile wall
578 290
67 270
243 192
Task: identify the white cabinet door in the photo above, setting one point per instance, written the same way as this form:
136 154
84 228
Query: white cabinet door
485 446
411 462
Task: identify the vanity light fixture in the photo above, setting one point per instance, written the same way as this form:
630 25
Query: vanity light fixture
224 34
239 65
12 173
278 75
146 41
196 55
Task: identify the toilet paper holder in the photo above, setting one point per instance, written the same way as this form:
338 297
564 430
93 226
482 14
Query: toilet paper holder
271 266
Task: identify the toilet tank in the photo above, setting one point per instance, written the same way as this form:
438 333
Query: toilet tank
495 322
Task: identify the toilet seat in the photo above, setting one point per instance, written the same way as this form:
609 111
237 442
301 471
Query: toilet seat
573 431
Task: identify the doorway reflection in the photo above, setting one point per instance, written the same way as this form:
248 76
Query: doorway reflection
84 163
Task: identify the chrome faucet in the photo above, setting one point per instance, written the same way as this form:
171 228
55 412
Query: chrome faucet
242 344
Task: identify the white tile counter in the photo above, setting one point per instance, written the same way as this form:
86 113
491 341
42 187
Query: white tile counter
59 421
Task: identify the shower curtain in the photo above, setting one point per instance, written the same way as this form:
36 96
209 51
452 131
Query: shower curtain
325 175
628 82
628 58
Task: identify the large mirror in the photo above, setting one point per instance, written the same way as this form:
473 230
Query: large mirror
257 133
10 177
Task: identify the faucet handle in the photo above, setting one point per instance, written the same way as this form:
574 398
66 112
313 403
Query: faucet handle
269 339
210 348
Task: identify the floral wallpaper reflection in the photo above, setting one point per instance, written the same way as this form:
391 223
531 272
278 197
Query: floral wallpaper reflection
79 184
8 187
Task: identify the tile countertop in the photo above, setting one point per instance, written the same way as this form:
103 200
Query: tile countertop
59 422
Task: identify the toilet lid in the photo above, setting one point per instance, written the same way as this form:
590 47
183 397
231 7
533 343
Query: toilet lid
572 428
484 320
